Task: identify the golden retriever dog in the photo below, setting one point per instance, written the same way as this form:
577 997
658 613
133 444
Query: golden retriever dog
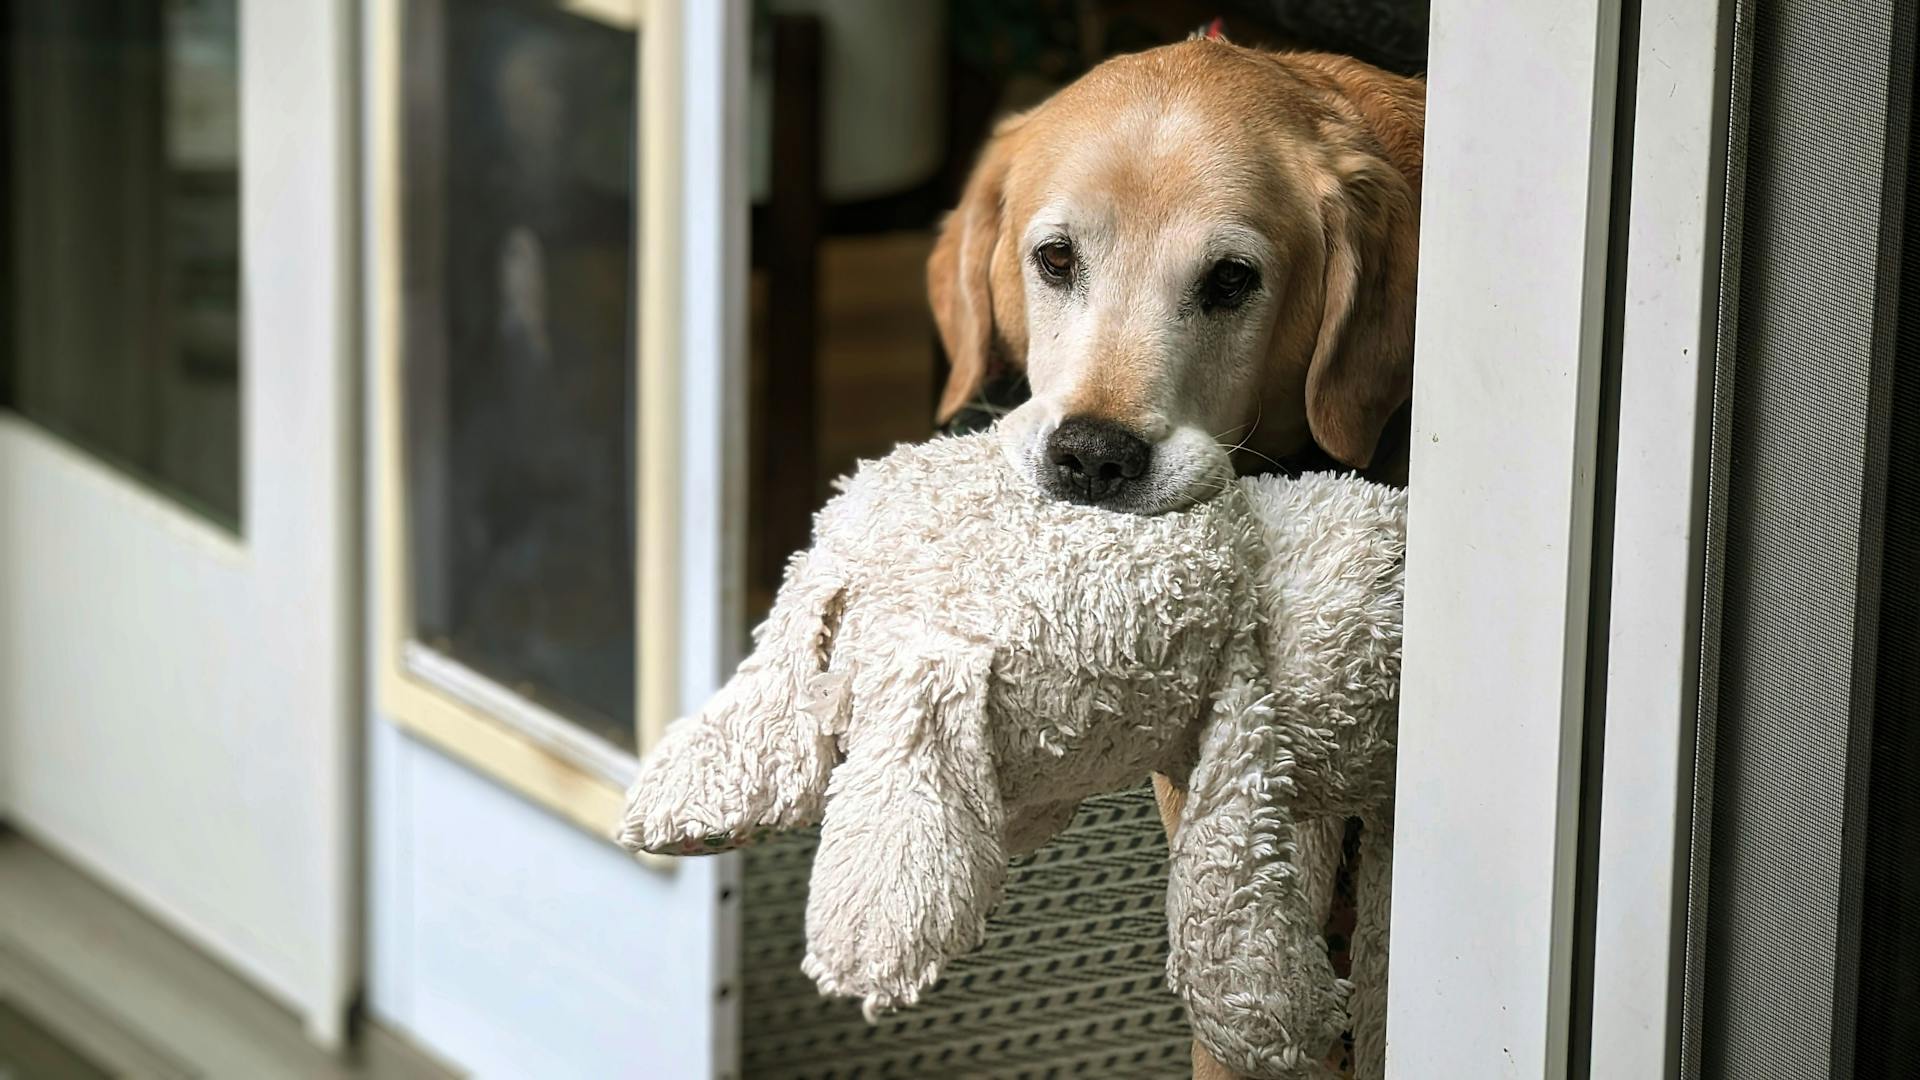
1202 257
1191 251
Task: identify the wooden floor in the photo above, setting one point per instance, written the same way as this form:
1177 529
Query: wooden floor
90 986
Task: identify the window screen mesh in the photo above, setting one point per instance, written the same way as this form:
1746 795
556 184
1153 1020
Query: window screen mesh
1797 956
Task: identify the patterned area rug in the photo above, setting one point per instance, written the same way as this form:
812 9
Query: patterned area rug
1070 981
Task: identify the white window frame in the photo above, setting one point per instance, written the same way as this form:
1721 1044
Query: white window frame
691 221
1513 265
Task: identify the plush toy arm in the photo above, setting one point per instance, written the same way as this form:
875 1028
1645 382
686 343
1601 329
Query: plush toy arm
757 756
1248 956
910 859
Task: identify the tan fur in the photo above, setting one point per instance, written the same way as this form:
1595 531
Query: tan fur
961 279
1319 155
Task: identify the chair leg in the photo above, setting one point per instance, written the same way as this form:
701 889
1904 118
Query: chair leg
787 471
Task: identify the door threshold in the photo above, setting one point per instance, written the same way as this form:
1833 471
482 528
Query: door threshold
106 983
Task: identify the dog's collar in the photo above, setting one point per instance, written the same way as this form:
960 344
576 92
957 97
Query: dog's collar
1216 30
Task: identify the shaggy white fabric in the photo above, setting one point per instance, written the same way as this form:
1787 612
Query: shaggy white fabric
1258 842
958 661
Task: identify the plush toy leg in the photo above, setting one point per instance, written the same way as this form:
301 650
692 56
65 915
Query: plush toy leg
1248 955
1372 888
1319 844
910 859
756 757
1172 800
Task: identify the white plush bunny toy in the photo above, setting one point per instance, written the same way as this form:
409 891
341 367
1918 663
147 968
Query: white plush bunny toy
958 661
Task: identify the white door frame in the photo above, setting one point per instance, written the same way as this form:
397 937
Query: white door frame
176 703
1518 176
713 393
1669 337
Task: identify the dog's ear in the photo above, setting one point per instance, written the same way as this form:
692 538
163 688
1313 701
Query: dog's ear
960 279
1362 366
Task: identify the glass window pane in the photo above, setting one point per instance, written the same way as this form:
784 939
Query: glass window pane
123 250
519 374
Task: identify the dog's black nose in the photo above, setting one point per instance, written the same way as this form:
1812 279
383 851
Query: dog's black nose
1093 460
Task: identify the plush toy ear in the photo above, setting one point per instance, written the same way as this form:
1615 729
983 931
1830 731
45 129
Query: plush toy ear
1244 916
757 756
911 857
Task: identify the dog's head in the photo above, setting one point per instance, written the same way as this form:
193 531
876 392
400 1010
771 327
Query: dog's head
1187 250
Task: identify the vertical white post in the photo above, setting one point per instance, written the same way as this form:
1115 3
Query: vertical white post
1668 339
713 451
1512 283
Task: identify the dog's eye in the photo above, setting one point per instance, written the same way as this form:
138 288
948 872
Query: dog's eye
1228 283
1055 260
